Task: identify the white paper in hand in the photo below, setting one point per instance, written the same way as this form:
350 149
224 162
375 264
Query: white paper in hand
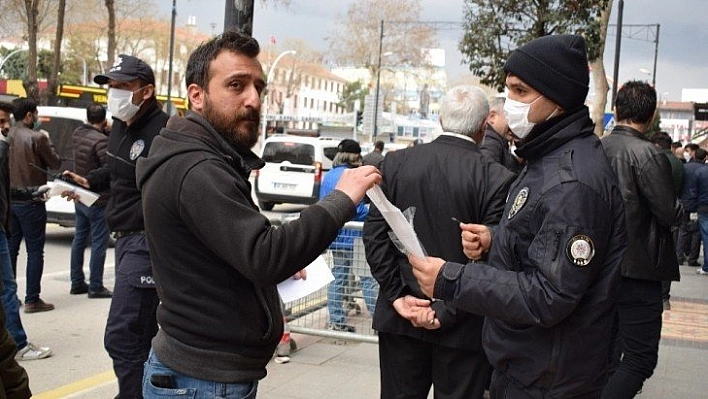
398 223
318 275
86 197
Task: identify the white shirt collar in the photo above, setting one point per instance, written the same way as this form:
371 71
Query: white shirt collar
461 136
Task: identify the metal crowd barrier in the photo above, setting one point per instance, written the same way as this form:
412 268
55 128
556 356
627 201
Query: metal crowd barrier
309 315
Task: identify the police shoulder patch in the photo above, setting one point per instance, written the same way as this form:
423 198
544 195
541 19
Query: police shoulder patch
580 250
136 149
519 202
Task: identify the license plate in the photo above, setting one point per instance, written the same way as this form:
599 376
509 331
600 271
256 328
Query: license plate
284 186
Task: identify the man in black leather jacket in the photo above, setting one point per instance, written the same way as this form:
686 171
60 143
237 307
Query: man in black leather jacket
651 209
550 285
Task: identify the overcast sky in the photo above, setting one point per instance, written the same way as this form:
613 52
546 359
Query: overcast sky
683 35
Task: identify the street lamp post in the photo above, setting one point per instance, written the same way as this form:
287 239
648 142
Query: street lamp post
7 57
378 84
265 98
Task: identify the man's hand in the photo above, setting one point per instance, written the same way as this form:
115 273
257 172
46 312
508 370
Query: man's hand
354 182
80 180
476 240
42 193
301 275
417 311
426 272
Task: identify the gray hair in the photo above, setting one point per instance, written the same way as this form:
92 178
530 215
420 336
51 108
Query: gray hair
464 110
496 104
347 158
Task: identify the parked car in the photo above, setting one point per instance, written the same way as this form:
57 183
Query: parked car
294 169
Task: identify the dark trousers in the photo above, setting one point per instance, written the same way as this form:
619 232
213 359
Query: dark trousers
636 340
689 240
29 221
131 321
410 366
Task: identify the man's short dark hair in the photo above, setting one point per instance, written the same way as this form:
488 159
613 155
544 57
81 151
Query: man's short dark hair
201 57
676 144
700 155
7 107
662 139
379 145
692 146
95 113
23 105
636 102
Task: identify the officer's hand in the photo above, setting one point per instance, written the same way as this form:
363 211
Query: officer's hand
426 272
354 182
301 275
73 177
417 311
476 240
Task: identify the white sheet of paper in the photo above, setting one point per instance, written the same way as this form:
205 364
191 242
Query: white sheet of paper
86 197
318 275
398 223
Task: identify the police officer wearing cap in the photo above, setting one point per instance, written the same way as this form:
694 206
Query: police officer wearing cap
549 286
137 119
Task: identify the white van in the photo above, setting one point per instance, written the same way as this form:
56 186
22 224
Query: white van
294 169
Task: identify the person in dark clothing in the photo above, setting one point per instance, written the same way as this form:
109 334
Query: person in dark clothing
90 141
550 284
497 137
663 141
29 216
137 120
375 157
26 350
688 247
644 174
448 177
701 200
216 258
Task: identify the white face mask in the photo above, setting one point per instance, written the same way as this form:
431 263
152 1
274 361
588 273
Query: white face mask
517 117
120 103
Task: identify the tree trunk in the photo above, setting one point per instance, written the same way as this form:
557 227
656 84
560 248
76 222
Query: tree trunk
111 52
53 83
31 85
598 74
238 14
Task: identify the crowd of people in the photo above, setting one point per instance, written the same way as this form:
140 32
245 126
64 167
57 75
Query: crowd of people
551 282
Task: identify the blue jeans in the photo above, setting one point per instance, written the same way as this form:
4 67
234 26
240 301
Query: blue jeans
183 386
342 270
9 296
89 221
703 225
29 221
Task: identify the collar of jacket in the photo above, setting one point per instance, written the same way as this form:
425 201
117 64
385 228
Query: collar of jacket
553 133
453 139
243 158
491 134
628 131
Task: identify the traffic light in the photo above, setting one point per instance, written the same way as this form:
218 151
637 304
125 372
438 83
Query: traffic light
359 118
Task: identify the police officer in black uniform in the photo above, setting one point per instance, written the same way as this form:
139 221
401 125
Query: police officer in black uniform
550 284
137 119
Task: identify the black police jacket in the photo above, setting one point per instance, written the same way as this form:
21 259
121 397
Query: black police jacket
551 282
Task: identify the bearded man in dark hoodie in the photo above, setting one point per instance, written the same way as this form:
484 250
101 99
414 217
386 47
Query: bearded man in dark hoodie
216 258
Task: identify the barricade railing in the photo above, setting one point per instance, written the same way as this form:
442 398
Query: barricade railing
344 307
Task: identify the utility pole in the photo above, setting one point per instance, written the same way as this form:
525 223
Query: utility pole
238 14
170 107
618 42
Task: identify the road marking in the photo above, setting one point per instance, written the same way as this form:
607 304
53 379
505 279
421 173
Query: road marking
78 386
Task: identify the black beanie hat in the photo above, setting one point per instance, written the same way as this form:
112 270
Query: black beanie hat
556 66
349 145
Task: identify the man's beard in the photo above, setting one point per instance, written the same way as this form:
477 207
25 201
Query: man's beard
240 128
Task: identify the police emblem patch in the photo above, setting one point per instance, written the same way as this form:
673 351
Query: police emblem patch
580 250
519 202
136 149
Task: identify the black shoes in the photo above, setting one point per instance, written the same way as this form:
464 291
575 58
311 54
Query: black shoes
79 289
341 327
102 293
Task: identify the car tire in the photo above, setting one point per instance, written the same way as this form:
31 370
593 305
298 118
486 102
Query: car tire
266 206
